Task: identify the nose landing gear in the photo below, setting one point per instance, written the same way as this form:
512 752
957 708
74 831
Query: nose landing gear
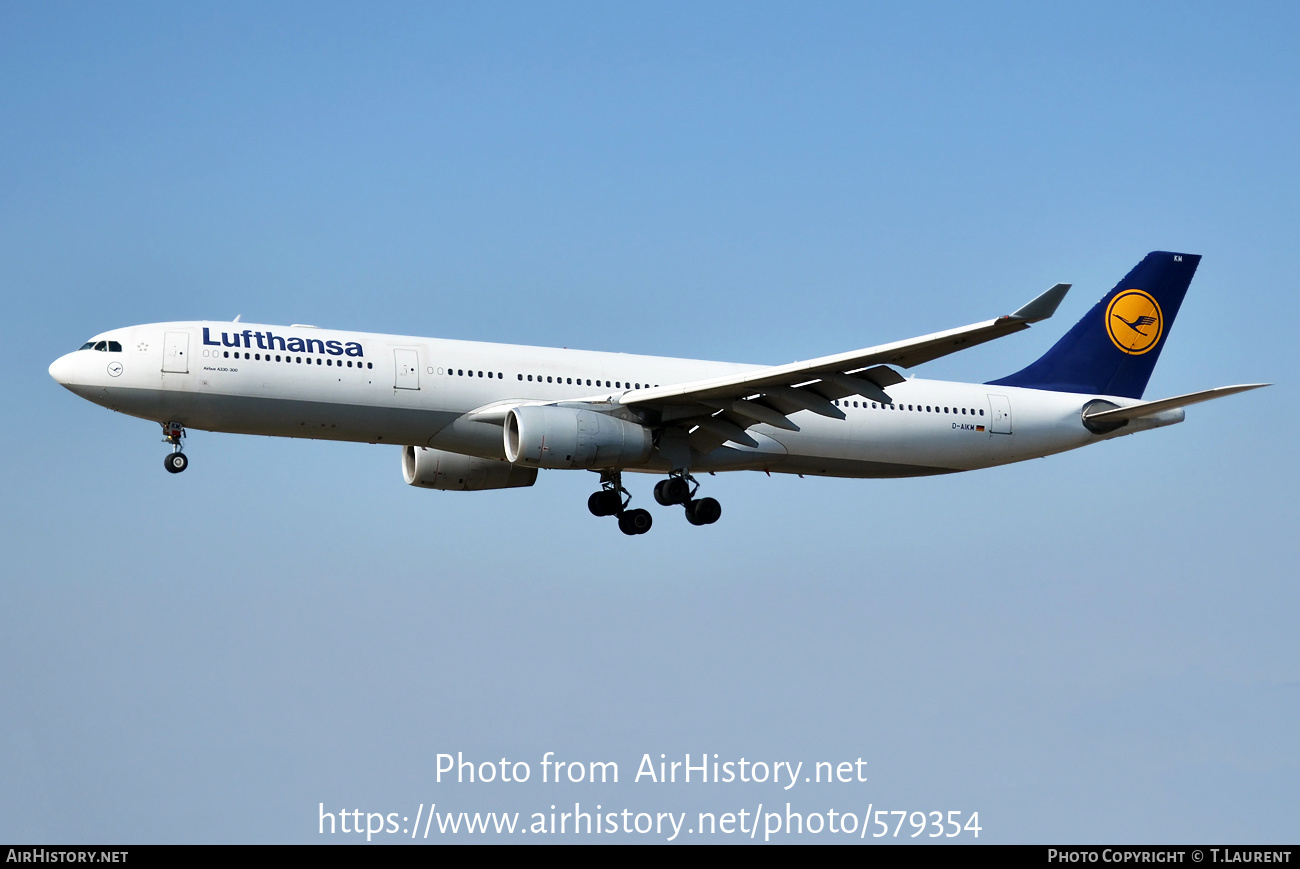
176 461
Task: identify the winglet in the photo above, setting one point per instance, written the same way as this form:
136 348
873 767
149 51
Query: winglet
1044 306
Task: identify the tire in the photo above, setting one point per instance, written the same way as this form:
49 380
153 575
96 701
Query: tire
635 522
604 503
175 462
673 490
705 511
661 496
677 490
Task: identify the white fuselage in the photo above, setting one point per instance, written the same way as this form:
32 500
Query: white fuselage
351 386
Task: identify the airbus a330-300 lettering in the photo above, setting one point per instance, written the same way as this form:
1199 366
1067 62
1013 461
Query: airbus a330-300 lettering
471 416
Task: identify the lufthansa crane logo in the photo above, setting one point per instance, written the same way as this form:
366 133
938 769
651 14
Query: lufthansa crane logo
1134 322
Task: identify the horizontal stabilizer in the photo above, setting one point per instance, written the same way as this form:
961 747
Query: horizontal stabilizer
1115 417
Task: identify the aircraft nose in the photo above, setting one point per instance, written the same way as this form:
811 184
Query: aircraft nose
61 369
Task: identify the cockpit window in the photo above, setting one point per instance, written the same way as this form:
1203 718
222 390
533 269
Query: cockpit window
87 346
101 345
114 347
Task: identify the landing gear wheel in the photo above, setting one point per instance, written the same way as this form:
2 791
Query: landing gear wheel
678 490
635 521
606 502
174 433
705 511
609 501
674 490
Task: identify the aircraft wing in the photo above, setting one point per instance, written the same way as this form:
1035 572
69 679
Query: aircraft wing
721 408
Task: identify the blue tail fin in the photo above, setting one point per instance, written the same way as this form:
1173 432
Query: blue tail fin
1113 349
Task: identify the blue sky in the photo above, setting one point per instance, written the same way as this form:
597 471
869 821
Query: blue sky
1076 656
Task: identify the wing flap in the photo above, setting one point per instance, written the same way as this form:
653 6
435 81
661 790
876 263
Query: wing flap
858 386
754 411
803 399
727 430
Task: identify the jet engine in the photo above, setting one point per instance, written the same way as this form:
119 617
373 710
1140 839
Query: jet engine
564 437
438 469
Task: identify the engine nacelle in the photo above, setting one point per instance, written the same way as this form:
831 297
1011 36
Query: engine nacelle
438 469
565 437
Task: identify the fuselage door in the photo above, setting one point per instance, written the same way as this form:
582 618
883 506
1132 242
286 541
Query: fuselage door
407 369
1000 406
176 353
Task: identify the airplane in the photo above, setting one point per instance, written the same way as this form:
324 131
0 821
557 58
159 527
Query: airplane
475 416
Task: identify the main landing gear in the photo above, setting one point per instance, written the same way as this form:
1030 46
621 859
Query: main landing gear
680 488
175 461
609 501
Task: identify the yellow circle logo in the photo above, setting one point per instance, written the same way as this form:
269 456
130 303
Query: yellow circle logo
1134 322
